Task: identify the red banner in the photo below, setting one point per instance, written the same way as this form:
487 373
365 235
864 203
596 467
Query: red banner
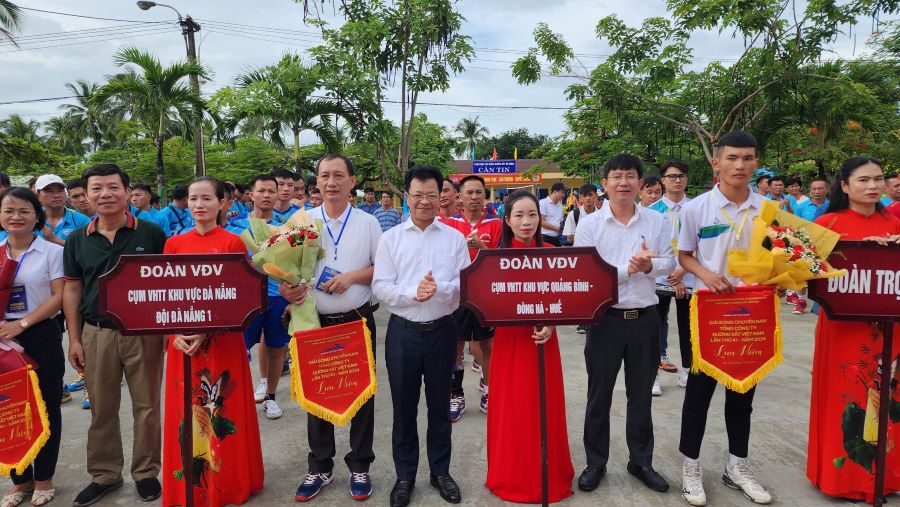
736 338
515 286
871 288
333 371
24 427
182 293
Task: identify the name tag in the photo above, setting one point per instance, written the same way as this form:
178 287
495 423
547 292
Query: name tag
327 274
17 300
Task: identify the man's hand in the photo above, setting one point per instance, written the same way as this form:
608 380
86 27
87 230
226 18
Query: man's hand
473 240
427 288
293 295
339 284
76 355
717 283
676 276
680 290
189 343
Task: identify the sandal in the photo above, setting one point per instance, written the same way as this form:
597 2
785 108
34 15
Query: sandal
12 499
43 496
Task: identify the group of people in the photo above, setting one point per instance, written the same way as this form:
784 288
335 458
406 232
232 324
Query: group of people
661 252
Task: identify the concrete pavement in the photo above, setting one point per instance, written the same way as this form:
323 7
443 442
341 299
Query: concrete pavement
777 447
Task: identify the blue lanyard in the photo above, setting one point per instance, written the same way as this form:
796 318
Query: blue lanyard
340 234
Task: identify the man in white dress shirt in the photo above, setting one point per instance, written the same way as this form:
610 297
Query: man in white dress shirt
638 243
417 279
342 290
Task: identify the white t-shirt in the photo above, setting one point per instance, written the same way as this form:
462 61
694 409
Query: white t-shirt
569 228
552 213
38 266
711 225
672 210
355 250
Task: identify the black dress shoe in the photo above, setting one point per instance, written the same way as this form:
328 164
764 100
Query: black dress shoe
93 493
648 476
447 487
148 489
590 478
401 493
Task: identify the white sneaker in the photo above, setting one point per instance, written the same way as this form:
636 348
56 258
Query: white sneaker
656 390
683 377
261 390
741 477
692 483
273 411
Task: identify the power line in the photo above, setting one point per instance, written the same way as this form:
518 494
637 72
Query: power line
73 33
82 15
156 31
106 35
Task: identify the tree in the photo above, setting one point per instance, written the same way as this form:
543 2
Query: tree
509 142
91 118
16 126
10 20
280 98
470 132
64 135
157 97
646 72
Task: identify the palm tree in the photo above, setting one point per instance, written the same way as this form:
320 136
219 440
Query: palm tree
156 96
470 133
16 126
279 98
10 20
91 118
66 133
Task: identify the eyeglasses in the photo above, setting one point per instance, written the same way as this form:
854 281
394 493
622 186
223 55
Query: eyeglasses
675 177
419 197
24 213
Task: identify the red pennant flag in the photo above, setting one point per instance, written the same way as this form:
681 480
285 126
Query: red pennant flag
495 154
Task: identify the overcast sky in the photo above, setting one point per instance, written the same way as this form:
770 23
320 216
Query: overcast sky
237 35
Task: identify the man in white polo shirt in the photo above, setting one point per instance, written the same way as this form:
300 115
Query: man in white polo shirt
712 224
552 214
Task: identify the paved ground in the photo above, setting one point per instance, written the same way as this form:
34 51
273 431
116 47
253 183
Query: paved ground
778 443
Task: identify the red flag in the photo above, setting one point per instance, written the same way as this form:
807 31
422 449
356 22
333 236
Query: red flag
495 154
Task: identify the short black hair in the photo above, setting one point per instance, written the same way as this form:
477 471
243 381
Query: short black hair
651 181
471 177
424 173
825 180
764 177
143 187
262 177
887 177
106 170
154 198
558 186
76 183
4 180
773 179
240 188
455 185
26 195
311 181
282 173
369 189
180 193
737 139
314 190
331 156
229 187
587 188
624 162
677 164
297 177
795 180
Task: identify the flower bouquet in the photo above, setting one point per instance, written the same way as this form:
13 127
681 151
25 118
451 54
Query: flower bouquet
288 253
785 250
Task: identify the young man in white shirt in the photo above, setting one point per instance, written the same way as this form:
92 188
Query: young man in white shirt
349 239
712 224
637 242
552 213
417 279
680 282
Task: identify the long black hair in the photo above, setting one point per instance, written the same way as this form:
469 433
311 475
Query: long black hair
506 234
839 199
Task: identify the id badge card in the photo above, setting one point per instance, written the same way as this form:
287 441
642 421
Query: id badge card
327 274
17 300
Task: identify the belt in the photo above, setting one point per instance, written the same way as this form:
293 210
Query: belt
628 314
100 324
422 327
351 316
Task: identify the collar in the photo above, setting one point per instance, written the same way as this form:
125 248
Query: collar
410 225
38 245
754 200
605 213
130 223
340 218
671 204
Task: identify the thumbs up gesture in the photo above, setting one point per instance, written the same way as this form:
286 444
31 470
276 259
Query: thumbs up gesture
427 288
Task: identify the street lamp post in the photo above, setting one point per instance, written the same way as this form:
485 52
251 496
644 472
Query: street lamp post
188 27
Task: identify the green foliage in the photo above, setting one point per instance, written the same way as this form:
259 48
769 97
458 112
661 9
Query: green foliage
507 143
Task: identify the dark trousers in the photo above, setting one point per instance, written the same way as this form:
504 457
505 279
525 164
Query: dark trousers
610 342
320 433
683 314
43 342
412 356
553 240
738 407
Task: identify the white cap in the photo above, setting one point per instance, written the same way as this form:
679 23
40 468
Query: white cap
48 179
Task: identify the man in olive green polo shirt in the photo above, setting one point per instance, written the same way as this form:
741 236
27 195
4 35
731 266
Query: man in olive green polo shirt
100 351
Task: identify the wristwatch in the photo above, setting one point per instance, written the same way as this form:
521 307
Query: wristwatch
24 323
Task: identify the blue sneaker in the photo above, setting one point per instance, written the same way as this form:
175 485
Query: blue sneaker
312 485
86 401
66 395
360 485
457 407
78 383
